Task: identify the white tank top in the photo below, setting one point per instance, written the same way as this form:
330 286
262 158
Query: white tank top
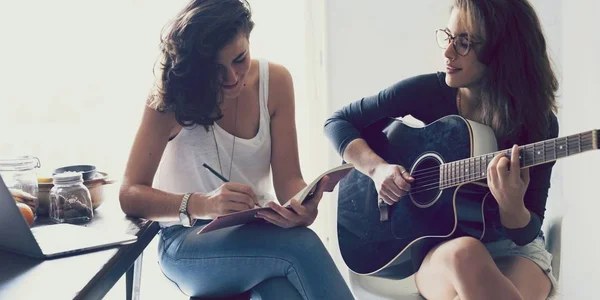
181 170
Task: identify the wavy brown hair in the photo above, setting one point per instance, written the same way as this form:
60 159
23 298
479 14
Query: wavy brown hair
519 89
190 83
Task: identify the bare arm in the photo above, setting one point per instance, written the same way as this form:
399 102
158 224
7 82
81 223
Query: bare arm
287 177
137 196
139 199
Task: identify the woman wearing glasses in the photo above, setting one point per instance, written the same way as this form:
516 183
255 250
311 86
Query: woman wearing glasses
497 73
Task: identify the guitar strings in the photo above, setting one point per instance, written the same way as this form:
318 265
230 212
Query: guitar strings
427 170
558 151
579 143
434 174
435 184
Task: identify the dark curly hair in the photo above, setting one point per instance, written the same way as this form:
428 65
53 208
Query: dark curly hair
190 81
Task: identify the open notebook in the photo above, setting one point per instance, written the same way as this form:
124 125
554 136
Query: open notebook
335 175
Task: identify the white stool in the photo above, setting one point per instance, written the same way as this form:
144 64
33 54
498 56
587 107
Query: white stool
553 234
376 288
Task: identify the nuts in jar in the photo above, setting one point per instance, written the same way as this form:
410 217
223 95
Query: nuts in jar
70 200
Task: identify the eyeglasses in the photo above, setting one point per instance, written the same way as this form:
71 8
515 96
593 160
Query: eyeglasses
461 43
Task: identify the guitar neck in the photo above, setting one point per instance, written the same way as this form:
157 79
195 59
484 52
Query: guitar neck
475 168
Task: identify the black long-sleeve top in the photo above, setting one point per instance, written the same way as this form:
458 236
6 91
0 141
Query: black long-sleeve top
428 98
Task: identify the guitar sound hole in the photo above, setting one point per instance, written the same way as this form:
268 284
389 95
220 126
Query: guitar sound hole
426 172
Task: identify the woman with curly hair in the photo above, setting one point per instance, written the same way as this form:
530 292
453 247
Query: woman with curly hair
213 104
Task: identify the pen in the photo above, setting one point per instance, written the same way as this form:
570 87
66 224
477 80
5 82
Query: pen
225 180
215 172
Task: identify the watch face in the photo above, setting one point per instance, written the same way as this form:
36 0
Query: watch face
183 218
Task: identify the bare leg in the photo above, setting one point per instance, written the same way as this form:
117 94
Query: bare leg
463 268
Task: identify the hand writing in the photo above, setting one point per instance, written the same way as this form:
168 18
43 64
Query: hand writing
229 198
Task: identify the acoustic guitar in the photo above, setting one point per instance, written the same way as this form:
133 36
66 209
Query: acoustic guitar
443 157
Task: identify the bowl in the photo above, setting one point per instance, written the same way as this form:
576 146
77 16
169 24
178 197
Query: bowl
88 172
94 185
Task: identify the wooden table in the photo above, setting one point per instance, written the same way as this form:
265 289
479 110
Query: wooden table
84 276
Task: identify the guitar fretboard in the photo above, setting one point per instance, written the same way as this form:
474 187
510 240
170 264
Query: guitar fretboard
475 168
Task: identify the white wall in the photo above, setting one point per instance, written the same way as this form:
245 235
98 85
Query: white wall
581 103
83 70
372 44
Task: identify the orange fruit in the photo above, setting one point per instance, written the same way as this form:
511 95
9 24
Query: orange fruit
26 212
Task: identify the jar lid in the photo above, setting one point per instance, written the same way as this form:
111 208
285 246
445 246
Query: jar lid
19 163
67 177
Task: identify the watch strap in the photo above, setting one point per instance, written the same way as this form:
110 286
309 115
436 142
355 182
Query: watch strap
184 216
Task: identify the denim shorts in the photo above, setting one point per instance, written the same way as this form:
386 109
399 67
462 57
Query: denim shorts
534 251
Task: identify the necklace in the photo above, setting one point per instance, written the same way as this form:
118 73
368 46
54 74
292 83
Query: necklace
232 147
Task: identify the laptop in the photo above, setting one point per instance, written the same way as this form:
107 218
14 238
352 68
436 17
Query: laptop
49 241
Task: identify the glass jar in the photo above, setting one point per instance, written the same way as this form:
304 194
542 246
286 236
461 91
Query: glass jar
70 200
20 177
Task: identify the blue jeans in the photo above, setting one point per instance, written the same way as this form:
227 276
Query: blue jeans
237 259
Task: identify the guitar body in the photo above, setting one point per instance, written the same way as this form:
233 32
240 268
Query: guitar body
423 218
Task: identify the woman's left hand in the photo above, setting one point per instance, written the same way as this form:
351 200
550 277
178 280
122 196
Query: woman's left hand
507 181
299 215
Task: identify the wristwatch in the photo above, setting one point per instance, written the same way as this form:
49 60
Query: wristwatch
184 216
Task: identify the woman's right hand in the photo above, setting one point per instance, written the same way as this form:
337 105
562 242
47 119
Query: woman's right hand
392 182
229 198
